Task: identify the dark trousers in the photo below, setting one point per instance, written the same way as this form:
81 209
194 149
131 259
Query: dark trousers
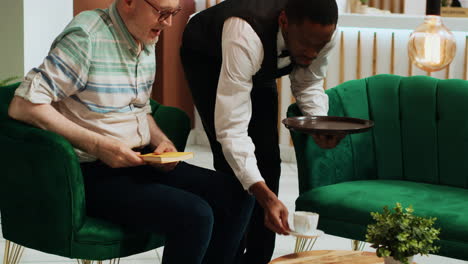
202 213
202 74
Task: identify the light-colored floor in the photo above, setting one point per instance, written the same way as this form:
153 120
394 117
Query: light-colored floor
284 244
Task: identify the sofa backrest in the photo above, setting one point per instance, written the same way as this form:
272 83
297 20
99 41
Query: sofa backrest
420 133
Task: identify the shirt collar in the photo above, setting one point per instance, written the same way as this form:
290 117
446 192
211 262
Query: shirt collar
123 32
280 44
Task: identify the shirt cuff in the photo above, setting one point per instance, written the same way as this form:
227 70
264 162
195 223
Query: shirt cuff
250 178
32 91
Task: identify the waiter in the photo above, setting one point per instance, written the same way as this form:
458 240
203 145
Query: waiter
232 54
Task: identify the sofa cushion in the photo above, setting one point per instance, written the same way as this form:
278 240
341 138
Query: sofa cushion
352 202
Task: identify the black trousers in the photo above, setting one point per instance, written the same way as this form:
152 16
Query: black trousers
202 74
201 212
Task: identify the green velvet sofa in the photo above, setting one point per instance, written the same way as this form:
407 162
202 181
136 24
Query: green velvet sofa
416 154
42 199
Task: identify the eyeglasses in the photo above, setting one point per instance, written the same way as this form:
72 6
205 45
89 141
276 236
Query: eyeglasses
163 15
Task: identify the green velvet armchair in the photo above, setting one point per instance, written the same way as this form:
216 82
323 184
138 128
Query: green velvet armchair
417 154
42 199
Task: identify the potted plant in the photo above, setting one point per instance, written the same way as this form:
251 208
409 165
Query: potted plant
399 235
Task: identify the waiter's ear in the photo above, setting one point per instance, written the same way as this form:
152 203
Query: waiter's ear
283 20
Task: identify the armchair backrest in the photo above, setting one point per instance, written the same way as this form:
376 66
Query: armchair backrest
420 133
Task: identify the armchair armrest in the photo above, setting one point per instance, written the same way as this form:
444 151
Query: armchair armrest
41 190
174 122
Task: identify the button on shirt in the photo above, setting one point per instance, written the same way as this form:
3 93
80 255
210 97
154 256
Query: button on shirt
94 76
243 55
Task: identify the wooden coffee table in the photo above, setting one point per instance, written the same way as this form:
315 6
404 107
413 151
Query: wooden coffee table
329 257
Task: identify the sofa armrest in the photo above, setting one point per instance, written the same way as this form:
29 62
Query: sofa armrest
41 189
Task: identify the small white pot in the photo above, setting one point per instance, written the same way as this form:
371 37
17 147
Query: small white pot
391 260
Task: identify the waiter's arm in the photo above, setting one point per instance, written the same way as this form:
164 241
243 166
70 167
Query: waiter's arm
307 88
242 58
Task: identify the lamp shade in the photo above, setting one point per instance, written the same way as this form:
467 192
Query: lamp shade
432 47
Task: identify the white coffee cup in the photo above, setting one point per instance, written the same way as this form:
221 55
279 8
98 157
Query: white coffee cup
305 222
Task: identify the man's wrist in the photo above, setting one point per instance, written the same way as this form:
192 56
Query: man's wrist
262 193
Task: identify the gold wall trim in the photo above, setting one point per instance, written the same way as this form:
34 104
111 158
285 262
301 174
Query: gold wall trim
466 59
374 55
358 66
392 54
342 59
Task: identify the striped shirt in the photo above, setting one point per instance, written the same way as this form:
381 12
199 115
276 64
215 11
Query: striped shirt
94 76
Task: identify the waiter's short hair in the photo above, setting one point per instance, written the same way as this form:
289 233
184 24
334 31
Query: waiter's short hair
324 12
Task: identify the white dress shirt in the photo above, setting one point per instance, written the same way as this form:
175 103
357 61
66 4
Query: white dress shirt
243 54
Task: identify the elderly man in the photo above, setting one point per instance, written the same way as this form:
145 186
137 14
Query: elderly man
94 89
232 54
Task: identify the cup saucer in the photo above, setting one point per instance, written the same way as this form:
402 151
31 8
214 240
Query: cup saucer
316 233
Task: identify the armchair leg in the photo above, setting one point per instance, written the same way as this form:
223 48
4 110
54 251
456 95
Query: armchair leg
111 261
159 256
304 244
13 253
357 245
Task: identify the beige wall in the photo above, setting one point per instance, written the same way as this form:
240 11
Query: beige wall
11 35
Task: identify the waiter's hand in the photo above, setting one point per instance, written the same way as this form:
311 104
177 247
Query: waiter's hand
327 141
165 146
276 214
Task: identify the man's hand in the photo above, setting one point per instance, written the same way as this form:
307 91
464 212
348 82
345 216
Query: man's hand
165 146
327 141
276 214
116 154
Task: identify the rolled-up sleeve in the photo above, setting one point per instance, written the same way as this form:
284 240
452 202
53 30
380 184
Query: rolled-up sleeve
307 83
64 71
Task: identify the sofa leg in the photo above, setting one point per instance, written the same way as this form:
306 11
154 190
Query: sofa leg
13 253
114 261
159 256
304 244
357 245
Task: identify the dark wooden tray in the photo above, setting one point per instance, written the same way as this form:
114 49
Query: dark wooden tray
327 124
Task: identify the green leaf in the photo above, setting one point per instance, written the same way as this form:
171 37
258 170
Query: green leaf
400 234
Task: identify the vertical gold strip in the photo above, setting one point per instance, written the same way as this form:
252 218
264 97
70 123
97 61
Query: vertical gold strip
325 83
342 59
279 85
358 66
466 59
428 73
447 72
392 55
410 67
374 55
6 256
293 100
208 3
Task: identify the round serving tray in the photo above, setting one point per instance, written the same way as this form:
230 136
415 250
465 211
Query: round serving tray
328 124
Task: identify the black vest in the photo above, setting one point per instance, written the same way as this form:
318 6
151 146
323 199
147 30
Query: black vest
204 31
